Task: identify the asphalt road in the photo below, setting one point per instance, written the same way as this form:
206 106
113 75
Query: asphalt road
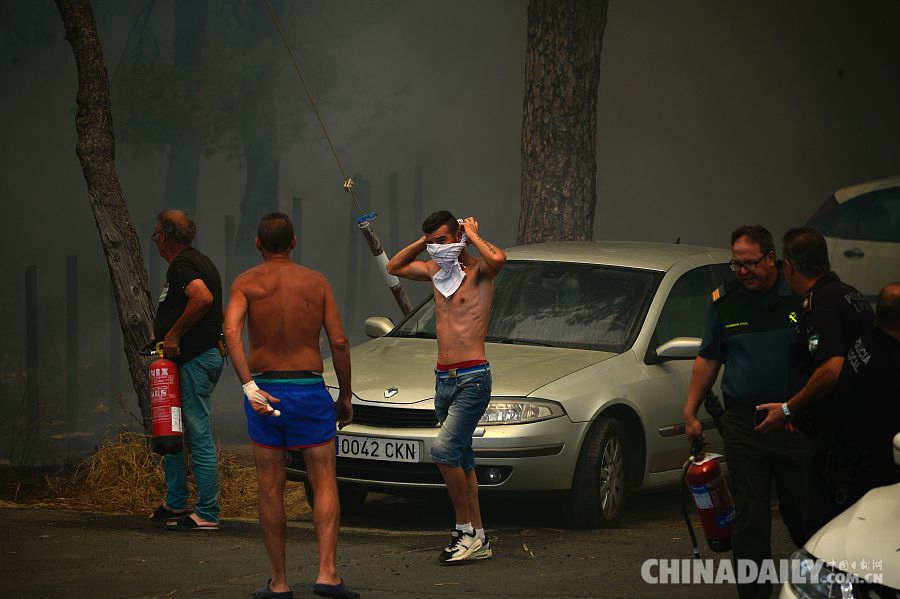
388 551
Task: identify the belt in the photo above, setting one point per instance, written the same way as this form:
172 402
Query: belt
286 374
457 372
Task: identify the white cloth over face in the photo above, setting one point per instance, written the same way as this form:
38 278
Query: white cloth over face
450 276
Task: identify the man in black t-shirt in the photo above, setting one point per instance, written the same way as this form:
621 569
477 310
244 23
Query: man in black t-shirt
189 321
868 398
832 317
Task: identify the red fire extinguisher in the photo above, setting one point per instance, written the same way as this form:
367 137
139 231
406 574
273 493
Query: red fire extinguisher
165 405
703 477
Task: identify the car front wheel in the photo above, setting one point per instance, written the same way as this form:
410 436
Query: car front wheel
597 498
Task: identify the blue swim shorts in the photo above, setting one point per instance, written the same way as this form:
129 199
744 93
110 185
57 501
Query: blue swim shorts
307 412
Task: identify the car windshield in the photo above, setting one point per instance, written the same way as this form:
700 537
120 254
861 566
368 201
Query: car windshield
558 304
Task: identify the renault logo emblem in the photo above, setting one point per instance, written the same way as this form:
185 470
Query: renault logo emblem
391 392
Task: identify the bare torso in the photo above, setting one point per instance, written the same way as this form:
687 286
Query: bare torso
462 319
285 314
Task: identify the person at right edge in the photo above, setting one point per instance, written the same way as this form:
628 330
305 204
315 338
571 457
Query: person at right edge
869 388
748 330
833 316
463 293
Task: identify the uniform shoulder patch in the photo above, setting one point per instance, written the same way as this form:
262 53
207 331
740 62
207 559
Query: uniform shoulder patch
807 302
721 291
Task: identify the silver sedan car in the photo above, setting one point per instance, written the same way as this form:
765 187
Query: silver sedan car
591 348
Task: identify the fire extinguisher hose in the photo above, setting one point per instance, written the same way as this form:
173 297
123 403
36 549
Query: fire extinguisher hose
684 508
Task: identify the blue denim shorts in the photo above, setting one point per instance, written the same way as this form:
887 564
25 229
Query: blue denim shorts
459 403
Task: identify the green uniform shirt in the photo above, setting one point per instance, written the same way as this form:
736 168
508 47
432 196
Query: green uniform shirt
750 333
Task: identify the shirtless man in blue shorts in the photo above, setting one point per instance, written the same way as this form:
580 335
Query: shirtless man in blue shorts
286 306
463 294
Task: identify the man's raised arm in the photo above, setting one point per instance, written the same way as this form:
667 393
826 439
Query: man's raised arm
494 258
404 263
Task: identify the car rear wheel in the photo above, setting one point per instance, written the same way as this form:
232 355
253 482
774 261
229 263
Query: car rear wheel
351 497
597 498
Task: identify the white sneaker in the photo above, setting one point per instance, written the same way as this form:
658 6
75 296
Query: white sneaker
462 546
483 553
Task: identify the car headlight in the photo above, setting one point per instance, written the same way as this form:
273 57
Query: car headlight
818 580
514 410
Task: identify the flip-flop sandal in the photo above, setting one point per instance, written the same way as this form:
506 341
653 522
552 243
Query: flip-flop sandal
164 513
337 591
266 592
187 524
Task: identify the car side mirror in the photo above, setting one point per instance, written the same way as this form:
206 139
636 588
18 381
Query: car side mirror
679 348
378 326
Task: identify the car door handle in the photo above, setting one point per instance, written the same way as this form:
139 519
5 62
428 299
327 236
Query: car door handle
854 253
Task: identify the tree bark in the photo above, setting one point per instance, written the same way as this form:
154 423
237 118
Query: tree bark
96 152
559 122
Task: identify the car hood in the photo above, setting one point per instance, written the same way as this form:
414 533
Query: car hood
867 530
408 365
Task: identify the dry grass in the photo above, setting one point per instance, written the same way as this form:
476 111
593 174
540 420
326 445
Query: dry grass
124 476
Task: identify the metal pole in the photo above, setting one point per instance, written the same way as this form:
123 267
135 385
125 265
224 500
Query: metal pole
72 338
382 260
31 344
297 217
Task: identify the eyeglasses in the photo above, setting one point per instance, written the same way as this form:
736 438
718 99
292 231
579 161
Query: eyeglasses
748 264
156 236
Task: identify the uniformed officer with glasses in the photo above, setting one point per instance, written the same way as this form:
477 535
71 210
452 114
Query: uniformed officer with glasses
748 330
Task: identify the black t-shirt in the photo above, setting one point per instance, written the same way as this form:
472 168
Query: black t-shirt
187 266
833 316
868 398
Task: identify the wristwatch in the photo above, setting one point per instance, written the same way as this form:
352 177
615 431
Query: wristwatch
788 416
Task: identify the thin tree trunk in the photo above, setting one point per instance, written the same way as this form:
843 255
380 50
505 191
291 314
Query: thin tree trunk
186 148
559 124
96 151
258 131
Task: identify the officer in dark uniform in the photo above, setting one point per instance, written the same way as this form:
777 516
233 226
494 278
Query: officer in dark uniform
748 330
868 395
833 316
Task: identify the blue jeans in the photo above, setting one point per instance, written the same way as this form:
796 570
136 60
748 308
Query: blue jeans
197 377
459 404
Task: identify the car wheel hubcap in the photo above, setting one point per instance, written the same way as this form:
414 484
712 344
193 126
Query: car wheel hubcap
611 478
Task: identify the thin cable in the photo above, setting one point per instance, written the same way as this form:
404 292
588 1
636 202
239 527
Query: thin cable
313 103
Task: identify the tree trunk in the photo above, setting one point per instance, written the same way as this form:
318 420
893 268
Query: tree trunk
186 148
97 153
559 124
258 131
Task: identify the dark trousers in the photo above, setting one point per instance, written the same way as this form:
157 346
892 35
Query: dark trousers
754 461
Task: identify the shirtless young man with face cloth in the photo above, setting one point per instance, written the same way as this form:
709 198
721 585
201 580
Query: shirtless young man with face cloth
463 292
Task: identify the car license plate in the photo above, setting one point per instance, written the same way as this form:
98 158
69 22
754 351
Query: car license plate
377 448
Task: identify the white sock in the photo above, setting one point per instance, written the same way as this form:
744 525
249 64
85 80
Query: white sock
466 528
480 533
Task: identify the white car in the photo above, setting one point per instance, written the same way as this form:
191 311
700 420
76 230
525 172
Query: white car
591 347
861 224
860 549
